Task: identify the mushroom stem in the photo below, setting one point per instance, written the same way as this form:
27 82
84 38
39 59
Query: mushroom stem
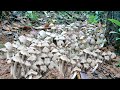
8 55
14 70
61 67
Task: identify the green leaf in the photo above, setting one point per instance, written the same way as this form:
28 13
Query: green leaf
115 21
117 38
113 32
119 29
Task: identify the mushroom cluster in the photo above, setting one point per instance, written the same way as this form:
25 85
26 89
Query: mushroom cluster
77 44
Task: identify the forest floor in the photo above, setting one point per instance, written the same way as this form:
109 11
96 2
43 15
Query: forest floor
104 71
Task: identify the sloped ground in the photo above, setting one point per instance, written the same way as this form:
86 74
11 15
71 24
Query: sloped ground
105 70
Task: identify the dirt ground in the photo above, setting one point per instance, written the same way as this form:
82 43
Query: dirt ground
104 71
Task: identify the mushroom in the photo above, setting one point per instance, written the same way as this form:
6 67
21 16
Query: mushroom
89 60
17 58
113 56
50 55
60 43
31 71
86 65
107 58
104 53
75 57
45 44
52 65
9 47
43 55
22 39
43 68
42 34
47 61
93 64
45 50
27 63
54 50
32 58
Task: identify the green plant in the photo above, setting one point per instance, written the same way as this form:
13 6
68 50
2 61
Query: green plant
92 19
118 65
117 35
32 15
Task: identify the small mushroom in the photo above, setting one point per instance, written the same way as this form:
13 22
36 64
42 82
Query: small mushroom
47 61
42 33
32 58
22 39
54 51
27 63
89 60
45 50
50 55
93 64
107 58
86 65
45 44
43 68
113 56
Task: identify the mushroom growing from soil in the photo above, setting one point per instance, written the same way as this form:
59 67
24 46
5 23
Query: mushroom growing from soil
9 47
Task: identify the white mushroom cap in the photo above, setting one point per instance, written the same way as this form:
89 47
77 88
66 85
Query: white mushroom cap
32 57
52 45
43 68
45 44
24 52
72 62
33 51
39 62
27 63
107 58
98 61
76 69
87 51
82 37
64 58
60 43
104 53
47 61
29 39
31 71
16 44
76 57
94 54
22 39
97 50
43 55
17 58
42 33
45 50
93 64
50 54
89 60
22 47
86 65
109 53
9 46
3 49
54 50
113 56
48 33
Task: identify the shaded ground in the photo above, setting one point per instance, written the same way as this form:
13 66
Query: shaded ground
105 71
4 70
